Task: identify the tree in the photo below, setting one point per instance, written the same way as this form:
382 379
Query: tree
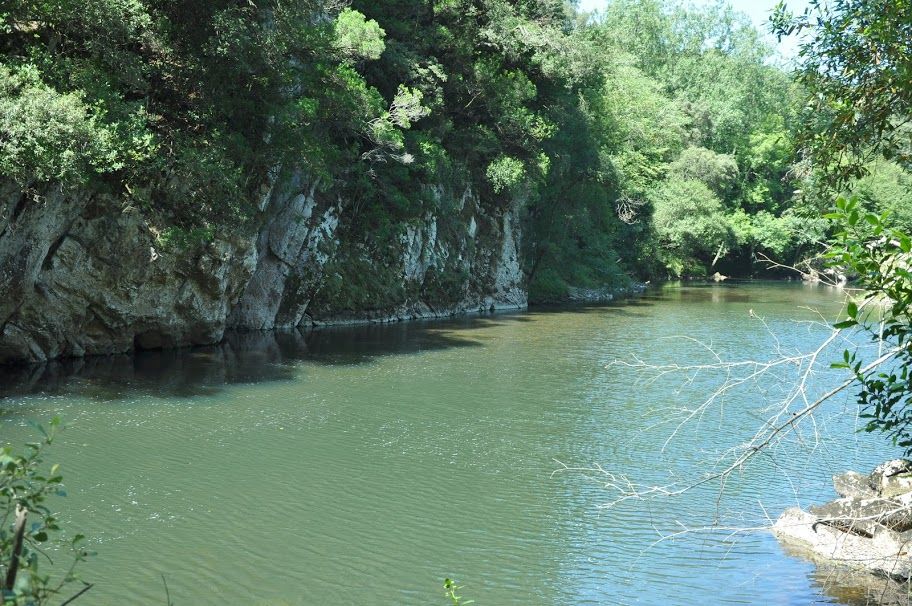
856 63
690 224
857 109
855 66
718 172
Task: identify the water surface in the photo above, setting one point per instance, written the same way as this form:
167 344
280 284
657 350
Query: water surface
362 466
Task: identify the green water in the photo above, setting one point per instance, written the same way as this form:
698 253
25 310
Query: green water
362 466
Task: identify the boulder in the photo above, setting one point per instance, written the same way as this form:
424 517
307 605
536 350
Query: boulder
869 528
884 553
853 484
892 478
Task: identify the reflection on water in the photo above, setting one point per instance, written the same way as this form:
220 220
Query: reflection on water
243 357
853 587
363 465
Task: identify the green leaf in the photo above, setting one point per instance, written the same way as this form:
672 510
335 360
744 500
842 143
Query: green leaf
905 243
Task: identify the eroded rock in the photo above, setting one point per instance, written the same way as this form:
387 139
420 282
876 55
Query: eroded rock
83 273
892 478
869 528
853 484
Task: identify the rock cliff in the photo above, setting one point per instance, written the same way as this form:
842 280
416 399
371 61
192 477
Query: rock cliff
84 274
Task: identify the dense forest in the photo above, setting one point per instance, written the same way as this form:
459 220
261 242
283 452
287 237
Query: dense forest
646 141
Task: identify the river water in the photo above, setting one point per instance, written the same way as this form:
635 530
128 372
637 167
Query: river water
362 466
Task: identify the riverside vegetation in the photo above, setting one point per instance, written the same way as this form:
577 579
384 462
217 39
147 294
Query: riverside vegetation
274 165
649 140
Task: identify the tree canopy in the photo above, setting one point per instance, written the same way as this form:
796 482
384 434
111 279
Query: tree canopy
616 134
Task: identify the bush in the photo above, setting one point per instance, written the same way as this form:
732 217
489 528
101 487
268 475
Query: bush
689 221
49 136
718 172
505 173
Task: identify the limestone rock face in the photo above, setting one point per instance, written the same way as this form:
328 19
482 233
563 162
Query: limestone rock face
85 274
290 254
484 248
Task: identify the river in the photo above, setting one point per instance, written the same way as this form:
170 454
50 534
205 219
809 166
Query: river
364 465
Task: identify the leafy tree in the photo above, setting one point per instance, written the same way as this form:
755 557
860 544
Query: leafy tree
358 38
49 136
690 223
887 188
699 101
187 109
857 109
855 66
718 172
505 173
878 257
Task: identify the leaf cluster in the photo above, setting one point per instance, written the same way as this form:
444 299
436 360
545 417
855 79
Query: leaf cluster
25 490
880 258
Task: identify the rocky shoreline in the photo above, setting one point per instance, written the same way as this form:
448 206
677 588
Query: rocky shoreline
868 529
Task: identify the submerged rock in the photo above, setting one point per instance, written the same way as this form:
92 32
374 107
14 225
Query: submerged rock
847 585
869 528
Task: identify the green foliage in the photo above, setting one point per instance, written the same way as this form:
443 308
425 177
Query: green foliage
357 38
778 237
47 136
175 238
579 240
855 67
690 95
880 258
189 110
505 173
690 222
887 188
358 280
446 285
29 526
718 172
192 105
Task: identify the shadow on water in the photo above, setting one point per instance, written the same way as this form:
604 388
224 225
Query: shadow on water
254 357
620 307
242 358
